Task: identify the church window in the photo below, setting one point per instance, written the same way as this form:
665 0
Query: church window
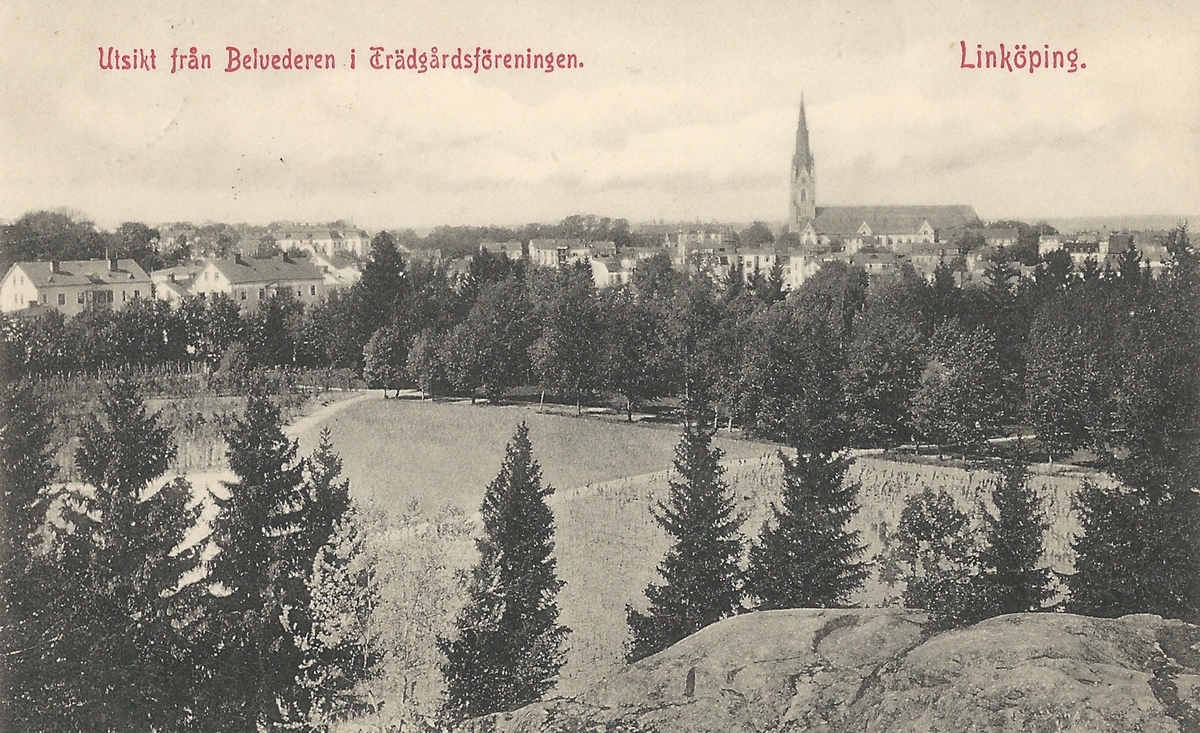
804 194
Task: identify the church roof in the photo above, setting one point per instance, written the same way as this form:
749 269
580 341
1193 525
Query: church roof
848 220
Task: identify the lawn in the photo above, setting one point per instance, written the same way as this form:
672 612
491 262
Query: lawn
445 453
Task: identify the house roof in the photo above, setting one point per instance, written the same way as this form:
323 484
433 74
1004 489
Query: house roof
82 272
997 232
847 220
613 264
178 288
181 273
336 261
240 270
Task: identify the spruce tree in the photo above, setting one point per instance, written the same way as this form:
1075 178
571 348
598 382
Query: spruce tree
339 643
28 614
1012 578
702 581
1138 550
805 557
135 662
258 575
509 646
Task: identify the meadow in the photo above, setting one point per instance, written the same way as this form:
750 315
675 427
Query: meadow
400 454
445 452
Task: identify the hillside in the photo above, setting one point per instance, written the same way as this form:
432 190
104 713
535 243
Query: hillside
608 475
837 671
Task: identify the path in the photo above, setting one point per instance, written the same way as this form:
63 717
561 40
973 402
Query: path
306 423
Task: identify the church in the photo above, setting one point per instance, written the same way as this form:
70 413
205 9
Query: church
904 230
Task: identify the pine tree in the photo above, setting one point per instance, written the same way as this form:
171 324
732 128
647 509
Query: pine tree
509 646
1012 579
805 557
258 577
702 579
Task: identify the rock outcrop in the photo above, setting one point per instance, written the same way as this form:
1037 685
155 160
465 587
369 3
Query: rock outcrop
882 670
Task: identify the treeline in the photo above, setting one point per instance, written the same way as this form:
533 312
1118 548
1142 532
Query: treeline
1098 359
63 235
121 613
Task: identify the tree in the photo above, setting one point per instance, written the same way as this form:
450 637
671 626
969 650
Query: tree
631 348
379 298
756 235
339 640
385 359
491 348
424 364
1012 578
258 581
790 376
692 317
656 278
272 332
1068 373
509 646
883 369
958 400
805 557
565 355
934 552
29 617
50 235
135 645
702 581
1138 550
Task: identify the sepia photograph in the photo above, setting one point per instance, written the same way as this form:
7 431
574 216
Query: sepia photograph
519 366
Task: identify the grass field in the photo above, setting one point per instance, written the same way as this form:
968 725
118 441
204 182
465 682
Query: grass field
607 476
445 453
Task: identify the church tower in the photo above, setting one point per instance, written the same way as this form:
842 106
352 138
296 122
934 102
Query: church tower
804 184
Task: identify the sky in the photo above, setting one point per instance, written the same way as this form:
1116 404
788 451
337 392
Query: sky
682 111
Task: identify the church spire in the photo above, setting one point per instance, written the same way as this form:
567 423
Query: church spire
803 159
803 204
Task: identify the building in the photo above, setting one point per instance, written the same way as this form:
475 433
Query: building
340 271
71 286
558 252
511 249
608 272
325 240
172 284
249 281
903 231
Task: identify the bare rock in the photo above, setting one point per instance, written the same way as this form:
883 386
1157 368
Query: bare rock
879 670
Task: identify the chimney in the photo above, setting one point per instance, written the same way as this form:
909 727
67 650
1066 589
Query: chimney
237 258
171 275
55 267
112 264
286 256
